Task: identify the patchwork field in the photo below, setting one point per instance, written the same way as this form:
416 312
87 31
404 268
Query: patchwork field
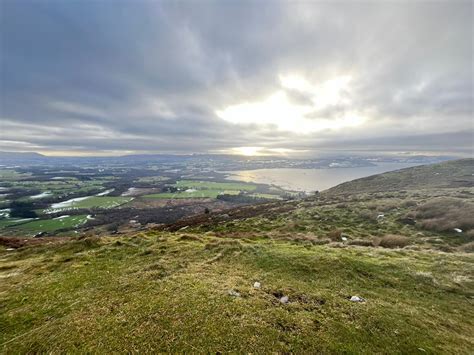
50 190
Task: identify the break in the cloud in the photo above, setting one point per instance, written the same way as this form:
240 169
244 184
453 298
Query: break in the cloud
240 77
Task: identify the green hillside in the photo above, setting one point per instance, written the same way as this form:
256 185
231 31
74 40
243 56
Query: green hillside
193 290
456 173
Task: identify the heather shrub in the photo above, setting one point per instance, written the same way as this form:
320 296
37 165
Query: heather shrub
445 214
368 215
321 241
361 242
385 207
335 235
467 248
409 203
393 241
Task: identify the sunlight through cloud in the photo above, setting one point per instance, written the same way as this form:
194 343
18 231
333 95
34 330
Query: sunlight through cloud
281 111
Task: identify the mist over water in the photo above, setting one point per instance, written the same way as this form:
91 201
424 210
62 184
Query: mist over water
313 179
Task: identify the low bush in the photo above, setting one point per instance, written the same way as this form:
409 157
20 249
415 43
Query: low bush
361 242
189 237
467 248
409 203
445 214
368 215
321 241
393 241
335 235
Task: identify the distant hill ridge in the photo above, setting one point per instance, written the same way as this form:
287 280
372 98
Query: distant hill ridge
20 155
454 173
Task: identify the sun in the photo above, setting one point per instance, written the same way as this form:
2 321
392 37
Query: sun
247 151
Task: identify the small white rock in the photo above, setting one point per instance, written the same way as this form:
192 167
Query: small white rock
356 299
343 239
234 293
284 299
257 284
457 230
10 249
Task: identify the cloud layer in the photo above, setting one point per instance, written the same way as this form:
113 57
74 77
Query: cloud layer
182 77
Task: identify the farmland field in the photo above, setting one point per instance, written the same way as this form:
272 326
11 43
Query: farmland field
89 202
203 189
51 225
193 194
192 184
152 179
267 196
8 174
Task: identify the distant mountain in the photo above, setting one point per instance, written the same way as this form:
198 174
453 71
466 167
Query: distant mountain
20 155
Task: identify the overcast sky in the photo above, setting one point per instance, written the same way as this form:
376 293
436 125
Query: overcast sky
253 77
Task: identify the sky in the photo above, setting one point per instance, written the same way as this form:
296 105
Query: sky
294 78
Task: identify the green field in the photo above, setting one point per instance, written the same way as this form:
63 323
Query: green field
207 193
201 185
152 179
59 187
93 202
6 222
12 175
265 196
204 189
51 225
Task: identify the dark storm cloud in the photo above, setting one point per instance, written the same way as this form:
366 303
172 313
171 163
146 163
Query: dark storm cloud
149 76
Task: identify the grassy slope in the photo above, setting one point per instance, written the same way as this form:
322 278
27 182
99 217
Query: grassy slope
448 174
163 291
170 293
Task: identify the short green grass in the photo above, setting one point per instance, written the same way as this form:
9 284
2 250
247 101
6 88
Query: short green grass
170 293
